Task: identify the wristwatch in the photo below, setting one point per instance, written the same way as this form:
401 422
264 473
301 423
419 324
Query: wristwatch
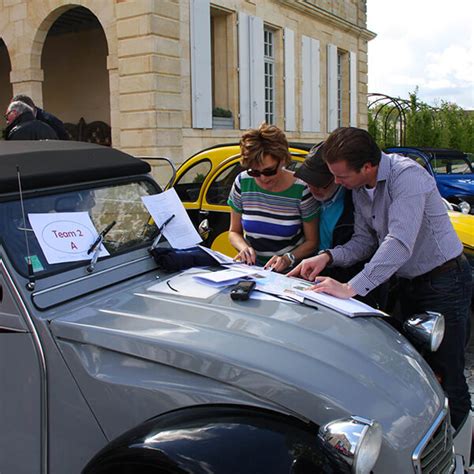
326 251
291 258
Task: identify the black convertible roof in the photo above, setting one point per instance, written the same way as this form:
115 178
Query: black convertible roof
52 162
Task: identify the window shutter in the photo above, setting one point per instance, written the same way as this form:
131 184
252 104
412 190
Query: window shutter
290 114
311 102
332 87
353 88
201 82
251 71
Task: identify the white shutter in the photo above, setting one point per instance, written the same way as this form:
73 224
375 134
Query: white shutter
251 71
311 101
353 88
201 82
290 111
332 86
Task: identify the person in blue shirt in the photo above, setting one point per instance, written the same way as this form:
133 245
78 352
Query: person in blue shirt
336 212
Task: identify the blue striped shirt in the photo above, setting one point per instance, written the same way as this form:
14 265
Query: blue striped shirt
406 225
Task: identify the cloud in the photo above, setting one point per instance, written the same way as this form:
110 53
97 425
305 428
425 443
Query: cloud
423 43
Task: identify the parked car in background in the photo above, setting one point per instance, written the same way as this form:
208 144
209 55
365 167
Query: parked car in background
453 171
203 183
464 226
102 373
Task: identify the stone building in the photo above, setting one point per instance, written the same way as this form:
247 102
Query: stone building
173 76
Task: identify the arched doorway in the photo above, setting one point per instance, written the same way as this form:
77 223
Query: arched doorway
6 90
76 79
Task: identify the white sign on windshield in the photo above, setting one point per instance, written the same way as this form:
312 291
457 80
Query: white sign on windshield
65 236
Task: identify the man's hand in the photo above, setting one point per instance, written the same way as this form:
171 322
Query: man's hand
309 268
246 255
278 263
332 287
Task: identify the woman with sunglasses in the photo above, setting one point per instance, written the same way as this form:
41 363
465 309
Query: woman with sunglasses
272 212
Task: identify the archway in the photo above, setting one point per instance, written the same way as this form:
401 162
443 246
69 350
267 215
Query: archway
76 79
6 90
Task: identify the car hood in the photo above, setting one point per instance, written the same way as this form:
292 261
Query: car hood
315 363
456 184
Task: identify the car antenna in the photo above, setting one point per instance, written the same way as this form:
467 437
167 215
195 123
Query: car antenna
31 277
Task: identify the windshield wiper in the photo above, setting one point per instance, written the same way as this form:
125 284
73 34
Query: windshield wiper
95 247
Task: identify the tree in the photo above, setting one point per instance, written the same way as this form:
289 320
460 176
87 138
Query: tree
414 123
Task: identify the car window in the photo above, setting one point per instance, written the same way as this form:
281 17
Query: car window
417 158
189 183
451 165
119 202
219 190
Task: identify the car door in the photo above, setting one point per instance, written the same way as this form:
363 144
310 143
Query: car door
22 378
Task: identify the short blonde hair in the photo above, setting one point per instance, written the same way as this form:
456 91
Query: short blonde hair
265 140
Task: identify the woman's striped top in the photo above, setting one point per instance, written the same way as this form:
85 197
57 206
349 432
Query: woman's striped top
272 221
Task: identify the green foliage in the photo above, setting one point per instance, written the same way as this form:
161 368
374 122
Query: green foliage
220 112
446 126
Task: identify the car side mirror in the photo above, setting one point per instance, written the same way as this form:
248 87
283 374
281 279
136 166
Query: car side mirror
425 330
204 229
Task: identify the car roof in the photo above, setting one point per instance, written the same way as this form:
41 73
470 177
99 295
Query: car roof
46 163
439 152
300 145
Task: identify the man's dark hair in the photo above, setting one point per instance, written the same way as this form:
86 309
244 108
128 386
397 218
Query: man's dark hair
25 99
353 145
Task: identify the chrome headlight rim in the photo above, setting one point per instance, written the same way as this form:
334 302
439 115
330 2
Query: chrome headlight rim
425 330
352 438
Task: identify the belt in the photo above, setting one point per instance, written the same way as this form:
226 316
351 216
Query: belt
444 267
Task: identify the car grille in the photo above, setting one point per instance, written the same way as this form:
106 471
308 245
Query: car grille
435 453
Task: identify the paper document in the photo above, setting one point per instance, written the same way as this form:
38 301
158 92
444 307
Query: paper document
228 276
220 257
349 307
65 236
280 285
180 231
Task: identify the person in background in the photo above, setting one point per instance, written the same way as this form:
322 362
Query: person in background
44 116
400 220
22 125
272 212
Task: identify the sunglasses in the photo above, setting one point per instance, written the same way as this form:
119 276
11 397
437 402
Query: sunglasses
266 172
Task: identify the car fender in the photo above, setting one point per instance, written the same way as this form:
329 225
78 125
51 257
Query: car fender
218 439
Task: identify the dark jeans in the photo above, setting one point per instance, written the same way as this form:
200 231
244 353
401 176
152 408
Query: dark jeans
449 293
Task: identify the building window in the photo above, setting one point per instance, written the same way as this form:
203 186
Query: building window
222 44
269 70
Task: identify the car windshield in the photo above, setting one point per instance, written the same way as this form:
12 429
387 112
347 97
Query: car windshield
118 202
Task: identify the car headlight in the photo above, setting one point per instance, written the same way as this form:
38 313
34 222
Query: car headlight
425 330
356 440
465 207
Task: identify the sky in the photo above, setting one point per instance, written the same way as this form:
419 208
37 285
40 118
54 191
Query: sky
427 44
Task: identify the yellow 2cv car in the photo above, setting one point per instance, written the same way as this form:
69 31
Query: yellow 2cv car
203 183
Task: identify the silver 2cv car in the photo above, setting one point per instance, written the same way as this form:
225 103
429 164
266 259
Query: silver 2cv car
99 374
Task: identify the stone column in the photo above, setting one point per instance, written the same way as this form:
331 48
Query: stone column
149 78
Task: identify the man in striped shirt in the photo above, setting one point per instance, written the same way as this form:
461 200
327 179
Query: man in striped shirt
399 215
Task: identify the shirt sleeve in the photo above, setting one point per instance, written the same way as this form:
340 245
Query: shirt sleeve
235 195
309 207
409 192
